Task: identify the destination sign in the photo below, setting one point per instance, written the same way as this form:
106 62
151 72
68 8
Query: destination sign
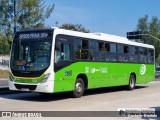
32 35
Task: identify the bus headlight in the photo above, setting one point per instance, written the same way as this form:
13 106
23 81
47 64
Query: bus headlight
45 78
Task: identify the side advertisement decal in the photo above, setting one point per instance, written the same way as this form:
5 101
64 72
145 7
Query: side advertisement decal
143 69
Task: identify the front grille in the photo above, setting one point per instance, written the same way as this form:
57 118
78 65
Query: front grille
30 87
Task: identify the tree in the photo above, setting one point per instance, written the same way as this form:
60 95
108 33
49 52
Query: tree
4 44
30 14
143 24
6 10
5 25
74 27
154 30
150 27
154 26
22 14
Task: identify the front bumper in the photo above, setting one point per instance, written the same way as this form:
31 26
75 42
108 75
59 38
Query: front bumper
46 87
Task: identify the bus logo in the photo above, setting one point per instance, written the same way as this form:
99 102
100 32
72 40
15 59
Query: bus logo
87 69
93 70
143 69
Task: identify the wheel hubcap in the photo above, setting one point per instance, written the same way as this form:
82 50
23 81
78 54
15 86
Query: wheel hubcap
79 87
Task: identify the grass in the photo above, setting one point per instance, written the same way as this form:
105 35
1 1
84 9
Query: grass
3 74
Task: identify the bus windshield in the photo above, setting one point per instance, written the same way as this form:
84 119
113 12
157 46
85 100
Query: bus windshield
30 55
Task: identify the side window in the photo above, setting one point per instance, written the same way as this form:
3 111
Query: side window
113 52
133 54
145 55
126 53
85 50
84 44
93 50
66 51
142 55
120 52
120 48
107 50
77 48
136 50
126 49
101 46
81 49
101 53
107 47
123 53
141 51
150 56
113 48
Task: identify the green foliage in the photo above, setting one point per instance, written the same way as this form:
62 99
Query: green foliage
5 16
4 44
32 13
74 27
18 15
150 27
143 24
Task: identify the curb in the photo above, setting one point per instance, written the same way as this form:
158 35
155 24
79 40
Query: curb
157 79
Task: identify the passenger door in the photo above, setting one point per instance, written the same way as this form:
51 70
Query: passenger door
62 62
62 52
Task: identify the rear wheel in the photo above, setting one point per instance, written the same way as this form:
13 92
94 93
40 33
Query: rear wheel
132 82
79 88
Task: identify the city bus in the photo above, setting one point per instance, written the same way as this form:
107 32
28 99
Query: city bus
57 60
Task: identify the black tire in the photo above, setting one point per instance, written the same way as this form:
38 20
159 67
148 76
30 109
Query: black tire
78 88
132 82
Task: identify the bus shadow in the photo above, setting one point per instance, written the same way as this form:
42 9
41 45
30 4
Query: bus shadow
36 97
109 90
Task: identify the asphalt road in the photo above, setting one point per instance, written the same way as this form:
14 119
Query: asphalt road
106 99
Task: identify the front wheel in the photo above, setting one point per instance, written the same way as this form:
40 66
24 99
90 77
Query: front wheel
79 88
132 82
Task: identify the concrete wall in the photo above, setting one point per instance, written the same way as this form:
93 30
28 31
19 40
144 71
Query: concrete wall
4 62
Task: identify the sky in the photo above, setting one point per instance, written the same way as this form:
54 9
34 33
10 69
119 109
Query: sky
115 17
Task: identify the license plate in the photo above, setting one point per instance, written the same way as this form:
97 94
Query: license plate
25 89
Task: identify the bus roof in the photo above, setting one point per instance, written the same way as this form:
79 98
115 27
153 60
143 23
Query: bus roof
97 36
101 36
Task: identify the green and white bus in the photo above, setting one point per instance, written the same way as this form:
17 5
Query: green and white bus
57 60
